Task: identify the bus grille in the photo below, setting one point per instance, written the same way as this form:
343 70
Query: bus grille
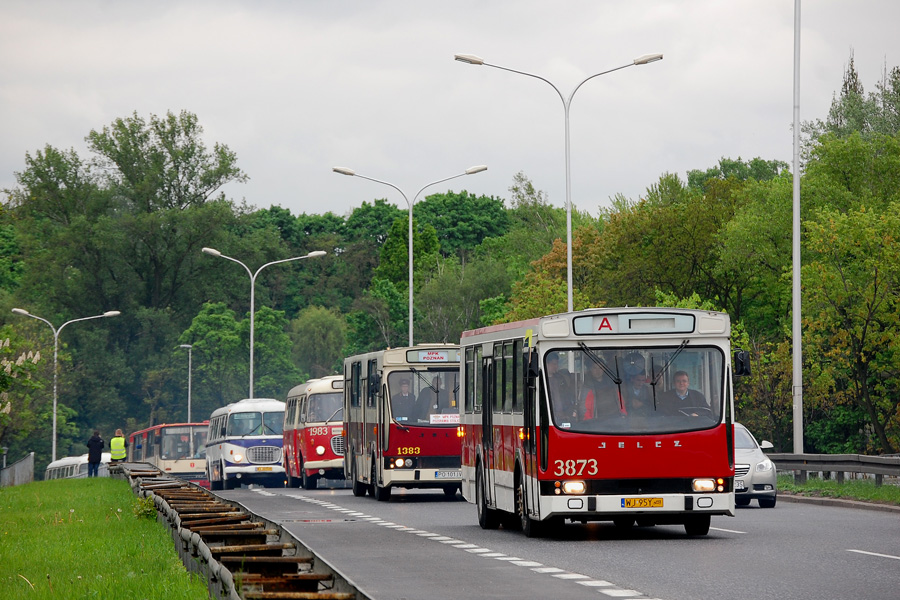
741 470
337 445
264 454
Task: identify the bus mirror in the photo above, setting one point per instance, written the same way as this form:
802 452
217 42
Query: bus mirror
741 365
533 366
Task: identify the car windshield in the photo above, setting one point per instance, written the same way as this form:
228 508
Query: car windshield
425 397
635 390
743 440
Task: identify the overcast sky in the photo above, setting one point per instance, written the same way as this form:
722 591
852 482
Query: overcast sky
296 88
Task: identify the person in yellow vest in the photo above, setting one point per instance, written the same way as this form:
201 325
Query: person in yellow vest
118 447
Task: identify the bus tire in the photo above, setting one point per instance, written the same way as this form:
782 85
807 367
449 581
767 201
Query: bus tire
530 527
381 494
359 490
487 517
309 482
214 485
697 525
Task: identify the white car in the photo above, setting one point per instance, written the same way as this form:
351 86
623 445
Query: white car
754 473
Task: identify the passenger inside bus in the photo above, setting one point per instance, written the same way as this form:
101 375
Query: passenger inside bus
599 397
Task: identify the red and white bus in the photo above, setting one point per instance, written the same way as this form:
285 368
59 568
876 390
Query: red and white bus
177 449
580 416
400 419
314 432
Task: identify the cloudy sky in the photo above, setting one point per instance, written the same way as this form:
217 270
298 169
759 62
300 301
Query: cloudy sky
296 88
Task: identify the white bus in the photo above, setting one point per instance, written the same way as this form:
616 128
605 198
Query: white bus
400 419
244 444
75 467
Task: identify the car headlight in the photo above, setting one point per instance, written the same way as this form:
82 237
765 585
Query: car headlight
764 465
320 450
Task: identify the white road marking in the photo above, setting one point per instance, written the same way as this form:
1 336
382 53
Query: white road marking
727 530
874 554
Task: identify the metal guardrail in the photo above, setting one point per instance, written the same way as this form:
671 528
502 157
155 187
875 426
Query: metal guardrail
879 466
18 473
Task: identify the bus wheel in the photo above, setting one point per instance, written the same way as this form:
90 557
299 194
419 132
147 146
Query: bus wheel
213 484
697 525
487 517
309 482
359 489
530 527
381 494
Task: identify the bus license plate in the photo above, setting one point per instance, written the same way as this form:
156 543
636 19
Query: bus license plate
448 474
263 468
642 502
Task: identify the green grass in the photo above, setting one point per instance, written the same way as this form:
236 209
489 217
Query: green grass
852 489
86 538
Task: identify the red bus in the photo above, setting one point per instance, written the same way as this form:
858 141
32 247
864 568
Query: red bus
400 419
615 414
314 432
178 449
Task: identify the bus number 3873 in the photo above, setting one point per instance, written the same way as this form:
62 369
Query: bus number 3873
575 467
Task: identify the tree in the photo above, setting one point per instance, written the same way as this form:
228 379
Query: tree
274 372
449 301
394 263
853 298
220 357
462 220
318 336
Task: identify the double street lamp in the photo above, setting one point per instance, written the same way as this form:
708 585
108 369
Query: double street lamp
352 173
567 102
56 332
214 252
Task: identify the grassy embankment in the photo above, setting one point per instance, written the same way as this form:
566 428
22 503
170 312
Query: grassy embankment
852 489
87 538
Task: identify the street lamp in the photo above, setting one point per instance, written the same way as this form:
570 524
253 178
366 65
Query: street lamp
214 252
190 429
641 60
189 347
352 173
56 332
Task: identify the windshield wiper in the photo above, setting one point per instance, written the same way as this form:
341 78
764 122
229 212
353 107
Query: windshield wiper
334 413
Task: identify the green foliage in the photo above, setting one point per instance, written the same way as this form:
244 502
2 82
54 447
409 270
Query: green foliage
394 261
144 507
78 538
463 220
863 489
318 336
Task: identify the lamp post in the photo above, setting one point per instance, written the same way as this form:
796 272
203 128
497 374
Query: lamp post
190 429
567 102
189 348
352 173
56 332
214 252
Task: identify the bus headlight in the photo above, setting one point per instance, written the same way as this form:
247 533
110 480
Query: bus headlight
704 486
237 458
320 450
573 487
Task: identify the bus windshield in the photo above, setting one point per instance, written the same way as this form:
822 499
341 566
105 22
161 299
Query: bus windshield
255 423
635 390
326 407
425 397
176 442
